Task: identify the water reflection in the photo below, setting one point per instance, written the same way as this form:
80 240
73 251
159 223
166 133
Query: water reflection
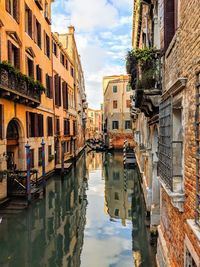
50 233
106 228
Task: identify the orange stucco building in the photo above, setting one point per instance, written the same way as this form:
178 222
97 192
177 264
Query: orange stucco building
38 90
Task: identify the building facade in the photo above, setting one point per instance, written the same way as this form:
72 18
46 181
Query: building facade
94 124
166 123
116 114
42 92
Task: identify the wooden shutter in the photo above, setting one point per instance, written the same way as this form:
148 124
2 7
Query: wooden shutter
10 52
27 124
51 87
59 91
34 29
169 22
1 121
39 35
7 4
36 125
67 96
40 125
17 58
39 73
30 23
16 10
64 94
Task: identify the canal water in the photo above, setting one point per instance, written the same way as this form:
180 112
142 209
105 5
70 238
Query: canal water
95 217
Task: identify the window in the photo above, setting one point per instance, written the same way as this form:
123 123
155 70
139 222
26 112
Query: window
66 127
57 90
12 7
34 124
32 158
66 64
115 89
55 50
28 21
128 88
30 67
57 130
116 196
116 213
46 45
39 156
66 147
72 71
65 95
49 126
115 125
38 33
13 55
1 121
128 103
171 20
50 156
115 104
62 59
38 73
128 124
74 128
49 92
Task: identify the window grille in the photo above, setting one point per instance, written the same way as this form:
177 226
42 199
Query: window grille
165 139
197 136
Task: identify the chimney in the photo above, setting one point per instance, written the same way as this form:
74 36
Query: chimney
71 29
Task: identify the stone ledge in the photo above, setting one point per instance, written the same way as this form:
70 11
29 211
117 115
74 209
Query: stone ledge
195 228
177 199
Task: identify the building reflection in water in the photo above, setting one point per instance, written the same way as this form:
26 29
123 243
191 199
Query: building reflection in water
51 232
124 201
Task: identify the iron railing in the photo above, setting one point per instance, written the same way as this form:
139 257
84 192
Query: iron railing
16 85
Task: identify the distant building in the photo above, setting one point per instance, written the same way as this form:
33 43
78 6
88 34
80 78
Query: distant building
116 114
94 124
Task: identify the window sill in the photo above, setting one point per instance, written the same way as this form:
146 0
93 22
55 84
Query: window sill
195 228
177 199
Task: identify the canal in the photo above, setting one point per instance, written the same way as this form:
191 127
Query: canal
95 217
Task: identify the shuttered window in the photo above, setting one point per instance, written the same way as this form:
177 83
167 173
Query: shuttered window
12 7
28 21
38 73
49 86
47 45
13 55
1 121
115 104
57 89
37 32
49 126
65 95
66 127
30 67
39 156
34 125
170 20
57 128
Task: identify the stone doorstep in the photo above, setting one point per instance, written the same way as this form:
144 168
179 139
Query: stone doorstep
177 199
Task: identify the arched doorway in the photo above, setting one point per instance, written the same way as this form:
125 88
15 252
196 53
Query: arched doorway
15 145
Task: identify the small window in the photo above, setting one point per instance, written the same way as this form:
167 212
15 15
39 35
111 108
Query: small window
66 127
115 89
40 156
128 103
117 212
47 45
38 73
28 21
66 64
115 125
57 126
62 59
30 68
116 196
49 126
127 124
115 104
55 52
32 158
72 71
128 88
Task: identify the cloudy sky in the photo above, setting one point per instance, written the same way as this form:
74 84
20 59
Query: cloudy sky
103 35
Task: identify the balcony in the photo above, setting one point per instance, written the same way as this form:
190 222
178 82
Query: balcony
39 4
18 87
144 67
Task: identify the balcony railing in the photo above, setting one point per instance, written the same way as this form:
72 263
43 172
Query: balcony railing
18 87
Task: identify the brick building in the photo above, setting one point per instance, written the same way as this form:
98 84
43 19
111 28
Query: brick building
177 142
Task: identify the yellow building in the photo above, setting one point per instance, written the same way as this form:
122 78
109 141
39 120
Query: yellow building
42 91
26 112
116 114
94 124
65 112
